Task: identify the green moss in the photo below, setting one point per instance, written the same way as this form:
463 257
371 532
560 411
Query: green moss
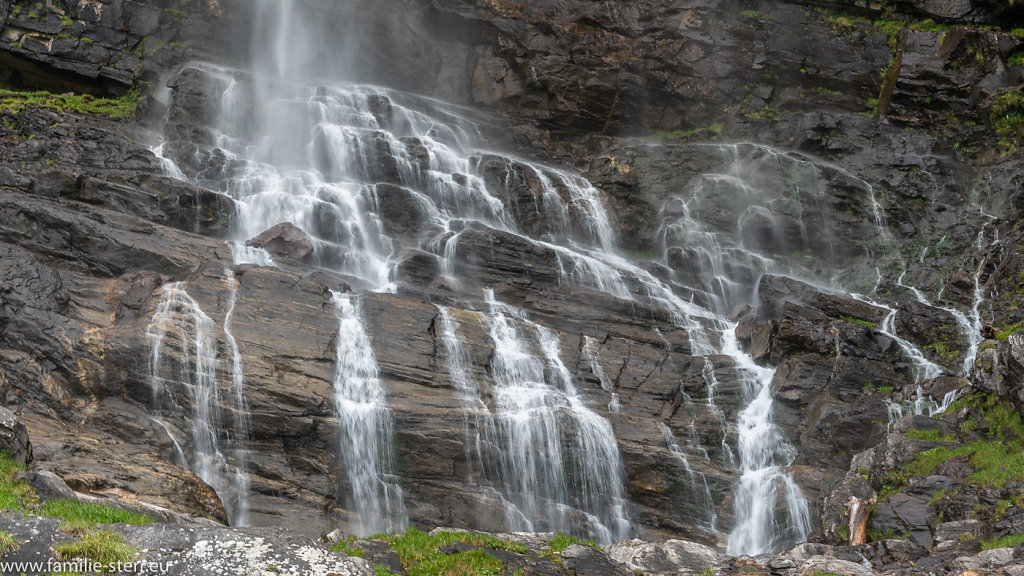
1007 331
103 546
382 570
943 350
753 14
930 435
1009 541
844 534
996 459
80 516
124 107
714 131
875 535
562 541
892 29
1007 118
855 320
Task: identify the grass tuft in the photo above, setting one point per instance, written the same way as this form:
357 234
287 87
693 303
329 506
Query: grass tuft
562 541
7 542
102 546
1008 541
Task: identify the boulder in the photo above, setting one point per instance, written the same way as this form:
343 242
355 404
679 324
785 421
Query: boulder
286 241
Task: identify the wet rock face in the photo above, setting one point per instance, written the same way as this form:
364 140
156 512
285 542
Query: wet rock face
103 47
91 229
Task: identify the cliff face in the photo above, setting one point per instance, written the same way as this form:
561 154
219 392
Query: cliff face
885 164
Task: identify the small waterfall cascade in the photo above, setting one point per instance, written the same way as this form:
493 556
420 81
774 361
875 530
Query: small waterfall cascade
245 254
478 421
559 461
187 376
763 454
591 354
365 434
699 491
240 416
766 211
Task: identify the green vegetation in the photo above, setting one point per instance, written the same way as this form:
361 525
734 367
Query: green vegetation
124 107
420 553
1005 332
754 14
468 563
861 321
103 546
1008 541
996 459
1007 117
80 516
345 546
844 533
1016 59
715 130
14 494
7 542
824 573
943 350
562 541
930 435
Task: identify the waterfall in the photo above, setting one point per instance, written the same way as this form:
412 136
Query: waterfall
535 398
365 435
591 354
241 419
179 320
763 453
473 406
703 498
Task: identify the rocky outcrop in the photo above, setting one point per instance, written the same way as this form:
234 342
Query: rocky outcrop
14 438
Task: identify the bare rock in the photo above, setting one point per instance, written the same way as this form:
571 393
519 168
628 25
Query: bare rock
286 241
14 437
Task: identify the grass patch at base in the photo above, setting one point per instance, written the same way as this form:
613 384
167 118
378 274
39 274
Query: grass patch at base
14 494
103 546
80 516
562 541
420 553
468 563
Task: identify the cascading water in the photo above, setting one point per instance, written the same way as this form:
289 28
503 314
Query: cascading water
180 321
763 454
592 356
365 427
699 489
535 399
241 419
